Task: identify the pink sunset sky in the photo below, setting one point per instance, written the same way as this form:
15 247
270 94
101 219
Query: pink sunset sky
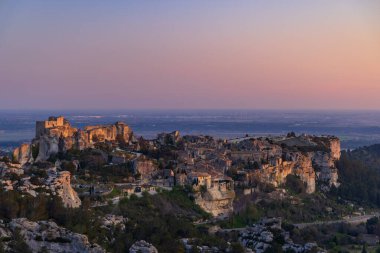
190 54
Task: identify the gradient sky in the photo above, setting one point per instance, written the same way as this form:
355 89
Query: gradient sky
190 54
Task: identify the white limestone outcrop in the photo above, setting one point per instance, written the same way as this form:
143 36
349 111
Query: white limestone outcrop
142 247
47 235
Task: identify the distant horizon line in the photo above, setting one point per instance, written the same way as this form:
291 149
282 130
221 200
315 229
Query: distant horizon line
185 109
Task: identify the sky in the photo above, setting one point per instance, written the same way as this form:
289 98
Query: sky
77 54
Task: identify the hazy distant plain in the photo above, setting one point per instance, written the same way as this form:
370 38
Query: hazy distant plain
355 128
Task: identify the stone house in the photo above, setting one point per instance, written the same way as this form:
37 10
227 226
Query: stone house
198 179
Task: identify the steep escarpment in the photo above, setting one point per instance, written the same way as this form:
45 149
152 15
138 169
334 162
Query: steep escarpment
213 193
216 202
60 186
56 184
23 154
57 135
310 158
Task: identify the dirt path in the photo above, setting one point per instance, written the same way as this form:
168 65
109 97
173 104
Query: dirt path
350 220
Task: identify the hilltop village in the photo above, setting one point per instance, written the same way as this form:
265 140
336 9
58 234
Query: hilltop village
211 167
100 166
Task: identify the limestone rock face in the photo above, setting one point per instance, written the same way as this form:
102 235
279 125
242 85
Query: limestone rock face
23 154
168 138
310 158
109 133
145 167
62 187
57 135
143 247
276 173
56 184
216 202
326 170
111 220
259 238
48 145
213 193
335 148
303 169
325 161
49 236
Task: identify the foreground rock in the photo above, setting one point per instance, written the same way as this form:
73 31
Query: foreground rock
110 221
260 238
46 236
56 184
142 247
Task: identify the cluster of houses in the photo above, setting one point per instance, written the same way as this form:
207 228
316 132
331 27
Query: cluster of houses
204 163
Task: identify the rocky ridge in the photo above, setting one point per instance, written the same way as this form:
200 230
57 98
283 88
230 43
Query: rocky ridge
59 184
310 158
57 135
56 184
216 202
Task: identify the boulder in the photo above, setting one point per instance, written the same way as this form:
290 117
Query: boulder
142 247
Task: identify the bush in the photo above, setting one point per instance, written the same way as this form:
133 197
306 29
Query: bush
35 151
295 184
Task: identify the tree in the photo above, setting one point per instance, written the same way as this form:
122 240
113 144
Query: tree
5 159
364 249
35 151
69 166
194 249
237 248
95 138
295 184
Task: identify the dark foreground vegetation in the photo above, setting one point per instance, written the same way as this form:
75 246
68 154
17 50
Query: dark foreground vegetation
359 174
161 219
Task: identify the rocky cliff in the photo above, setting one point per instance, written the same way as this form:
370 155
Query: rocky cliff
61 186
23 154
57 135
276 174
56 184
216 202
118 131
310 158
